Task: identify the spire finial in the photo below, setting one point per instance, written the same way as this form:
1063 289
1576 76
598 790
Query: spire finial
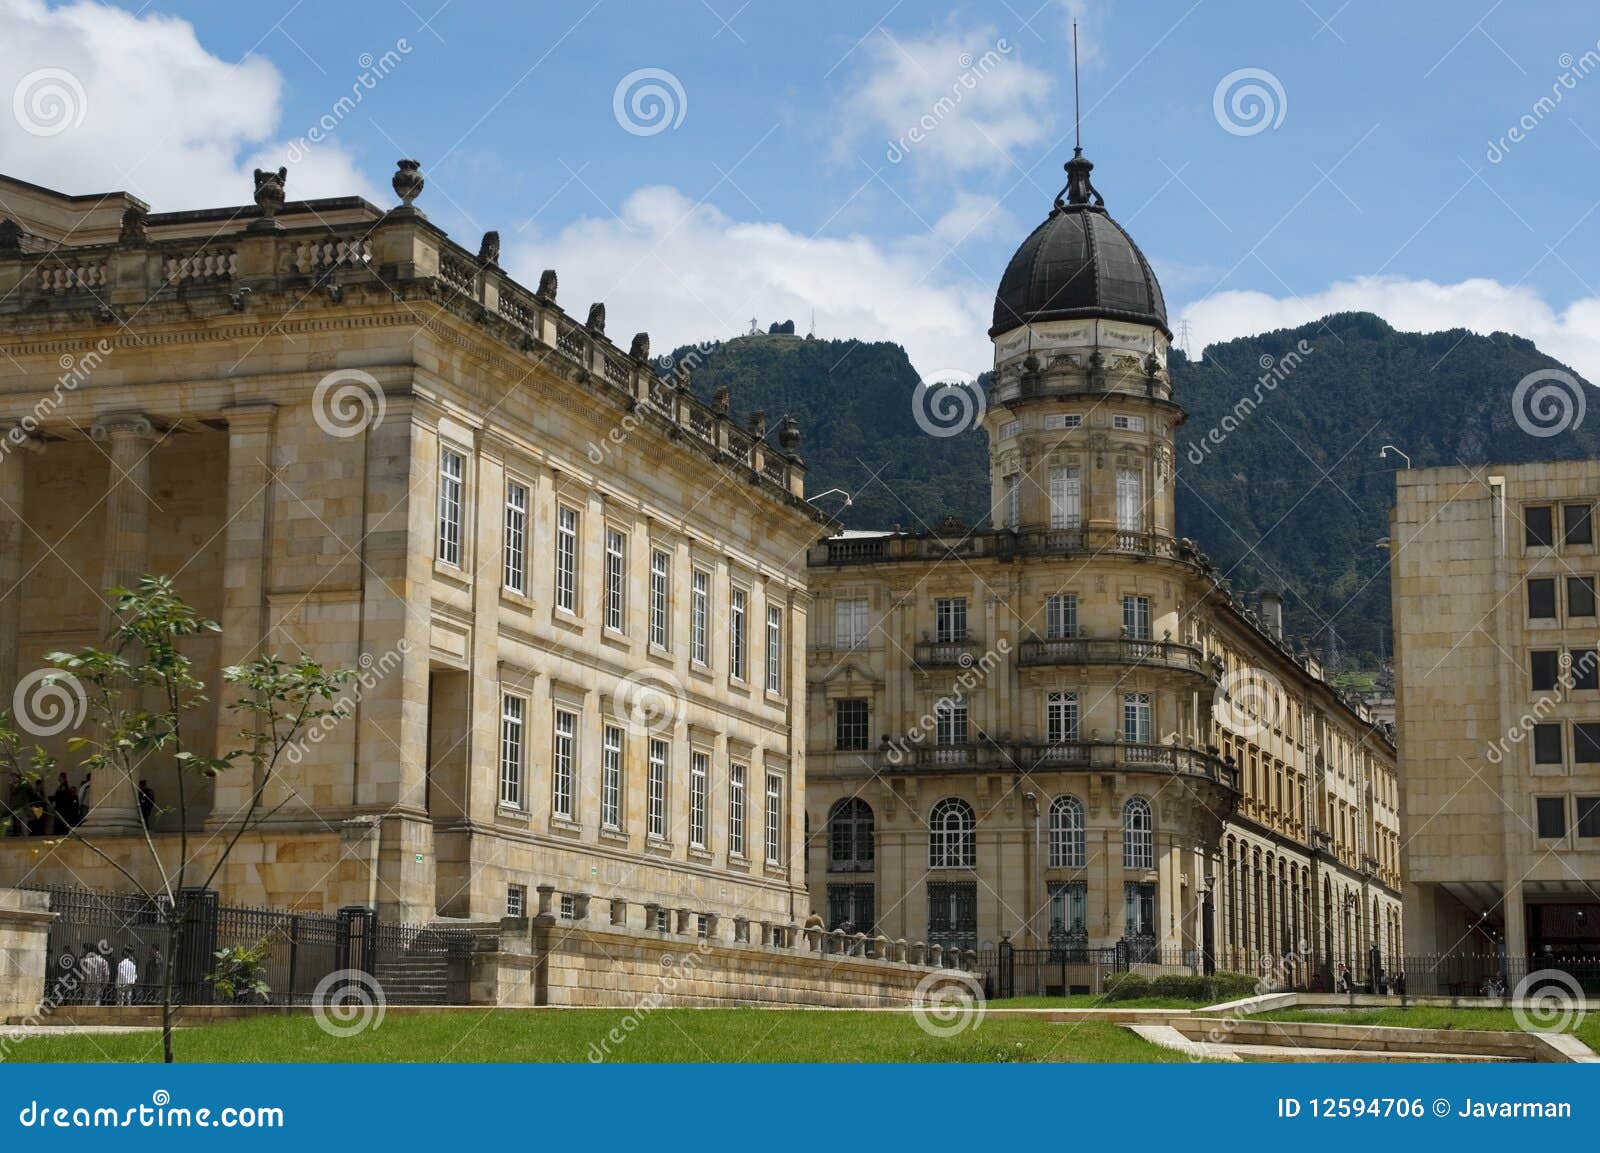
1079 189
1077 115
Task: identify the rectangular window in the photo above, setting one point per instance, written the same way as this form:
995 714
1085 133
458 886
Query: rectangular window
655 823
774 649
950 619
1066 499
736 810
1061 718
1538 530
699 613
1010 429
1589 816
950 718
1580 596
1136 718
1136 618
515 548
1577 524
1551 815
1130 500
850 724
850 908
567 559
1062 420
1014 502
699 785
516 900
774 819
1586 743
452 471
738 603
1547 744
511 714
850 622
1125 423
1061 616
611 778
616 581
660 599
1585 669
563 764
569 907
1542 665
1542 599
1138 910
953 914
1069 908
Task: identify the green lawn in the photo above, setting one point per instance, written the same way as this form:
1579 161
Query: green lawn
1095 1001
734 1035
1425 1017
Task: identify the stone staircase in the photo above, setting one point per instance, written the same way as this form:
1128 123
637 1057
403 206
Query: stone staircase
425 974
1247 1039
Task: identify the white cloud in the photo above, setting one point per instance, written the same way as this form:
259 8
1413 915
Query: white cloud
686 273
1571 335
119 102
952 102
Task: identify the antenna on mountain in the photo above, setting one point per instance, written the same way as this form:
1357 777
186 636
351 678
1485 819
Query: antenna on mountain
1077 117
1185 334
812 331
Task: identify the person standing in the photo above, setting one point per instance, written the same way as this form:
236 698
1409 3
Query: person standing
64 803
127 978
154 969
147 803
96 973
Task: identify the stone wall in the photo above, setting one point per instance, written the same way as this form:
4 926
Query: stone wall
24 932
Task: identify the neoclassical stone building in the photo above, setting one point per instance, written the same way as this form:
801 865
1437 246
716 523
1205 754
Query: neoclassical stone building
1064 728
576 593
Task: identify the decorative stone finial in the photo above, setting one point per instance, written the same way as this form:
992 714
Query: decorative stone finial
721 400
758 424
680 376
1080 189
640 349
547 286
597 319
789 433
11 235
407 181
133 231
269 191
489 248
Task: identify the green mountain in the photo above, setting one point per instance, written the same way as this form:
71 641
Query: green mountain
1279 475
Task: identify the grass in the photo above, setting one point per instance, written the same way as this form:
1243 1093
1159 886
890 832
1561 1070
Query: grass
1095 1001
1586 1030
693 1035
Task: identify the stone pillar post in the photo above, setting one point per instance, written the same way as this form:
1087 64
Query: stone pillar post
16 449
129 440
619 911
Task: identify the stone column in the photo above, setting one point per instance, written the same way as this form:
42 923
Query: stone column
14 454
129 440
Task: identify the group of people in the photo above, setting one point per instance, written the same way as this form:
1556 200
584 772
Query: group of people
1386 983
99 982
34 813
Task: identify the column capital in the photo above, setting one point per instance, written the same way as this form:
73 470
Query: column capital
116 425
250 416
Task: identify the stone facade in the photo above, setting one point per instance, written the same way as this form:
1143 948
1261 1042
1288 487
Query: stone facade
24 936
1498 709
572 589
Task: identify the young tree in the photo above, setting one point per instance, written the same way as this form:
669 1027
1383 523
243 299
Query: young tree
139 689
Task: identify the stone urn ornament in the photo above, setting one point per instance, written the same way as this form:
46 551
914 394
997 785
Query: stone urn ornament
269 191
407 181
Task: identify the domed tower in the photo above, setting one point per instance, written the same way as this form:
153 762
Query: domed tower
1081 417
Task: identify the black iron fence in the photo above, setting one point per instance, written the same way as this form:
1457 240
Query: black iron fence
95 936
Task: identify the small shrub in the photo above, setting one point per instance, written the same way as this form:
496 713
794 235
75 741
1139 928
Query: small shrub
1180 986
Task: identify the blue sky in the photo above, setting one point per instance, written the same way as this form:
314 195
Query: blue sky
790 183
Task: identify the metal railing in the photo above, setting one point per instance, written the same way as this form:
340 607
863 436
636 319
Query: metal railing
1003 544
1115 650
1124 756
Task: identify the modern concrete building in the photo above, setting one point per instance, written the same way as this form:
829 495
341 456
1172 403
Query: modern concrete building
1498 704
1063 728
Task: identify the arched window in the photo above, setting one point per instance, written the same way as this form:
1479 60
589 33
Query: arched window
1066 833
1138 835
850 837
951 842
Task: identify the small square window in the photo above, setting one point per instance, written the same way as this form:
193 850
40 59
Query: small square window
1580 596
1586 744
1547 744
1552 817
516 900
1543 666
1542 599
1585 669
1589 816
1538 528
569 907
1576 525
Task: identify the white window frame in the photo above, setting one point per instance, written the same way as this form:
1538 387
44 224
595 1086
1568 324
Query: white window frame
1138 834
1138 718
950 620
616 616
513 748
774 821
563 762
738 633
569 523
612 744
1135 617
514 545
1130 500
516 900
1014 501
1010 429
1067 833
656 790
851 621
1062 420
452 497
952 835
700 616
736 809
1124 422
699 798
1061 718
775 649
1061 616
950 722
661 599
1066 498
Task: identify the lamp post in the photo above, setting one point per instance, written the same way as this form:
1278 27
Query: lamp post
1208 914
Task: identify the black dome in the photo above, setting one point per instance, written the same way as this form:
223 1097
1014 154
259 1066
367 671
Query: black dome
1078 264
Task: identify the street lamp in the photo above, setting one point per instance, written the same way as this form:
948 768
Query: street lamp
1383 454
1208 914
